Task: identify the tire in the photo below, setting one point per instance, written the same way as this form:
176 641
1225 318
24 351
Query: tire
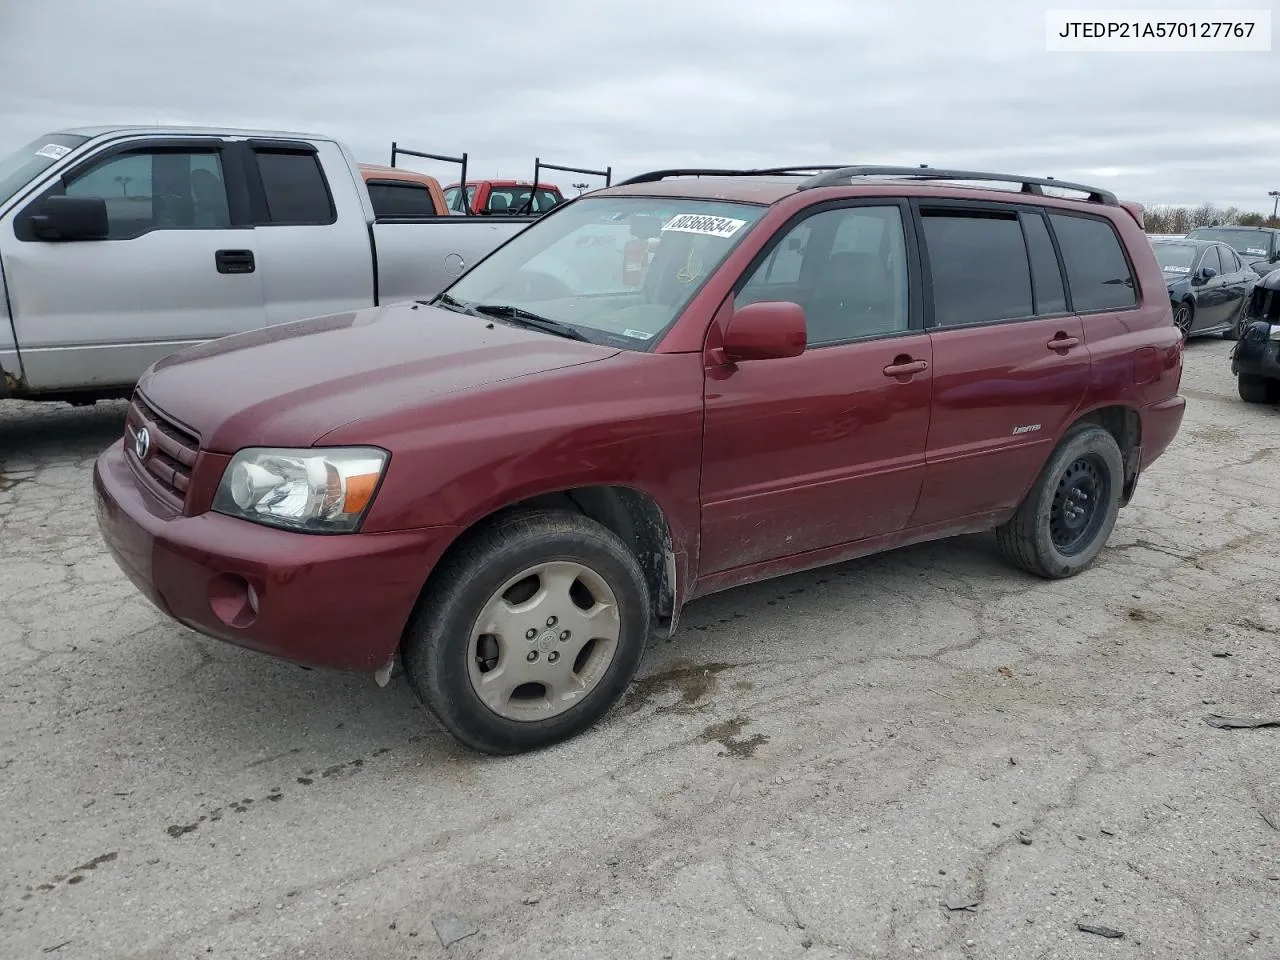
1256 389
1184 316
448 660
1033 537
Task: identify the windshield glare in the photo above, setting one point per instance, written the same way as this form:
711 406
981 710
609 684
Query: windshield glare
1175 257
1249 243
620 269
19 169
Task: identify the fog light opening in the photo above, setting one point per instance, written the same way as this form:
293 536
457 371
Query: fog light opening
233 600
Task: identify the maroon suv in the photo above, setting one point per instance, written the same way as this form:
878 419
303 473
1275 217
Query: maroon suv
659 390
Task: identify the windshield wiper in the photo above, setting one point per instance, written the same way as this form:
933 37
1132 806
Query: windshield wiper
532 321
451 303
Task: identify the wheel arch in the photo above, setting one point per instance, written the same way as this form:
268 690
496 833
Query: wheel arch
1124 423
634 515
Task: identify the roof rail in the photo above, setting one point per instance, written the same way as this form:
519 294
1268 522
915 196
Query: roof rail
654 176
1034 185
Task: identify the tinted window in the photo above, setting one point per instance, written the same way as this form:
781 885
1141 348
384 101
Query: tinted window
295 188
1230 262
1097 271
401 200
157 190
979 268
1213 258
847 268
1046 275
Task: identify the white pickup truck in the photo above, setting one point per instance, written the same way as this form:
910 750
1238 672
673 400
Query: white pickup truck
121 245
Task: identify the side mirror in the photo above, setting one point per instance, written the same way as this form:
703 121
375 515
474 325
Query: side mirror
768 330
60 219
1207 273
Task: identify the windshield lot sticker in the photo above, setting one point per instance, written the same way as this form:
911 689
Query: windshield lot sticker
53 151
637 334
706 226
1256 251
1177 269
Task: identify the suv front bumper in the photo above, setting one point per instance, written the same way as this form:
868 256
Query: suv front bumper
1257 352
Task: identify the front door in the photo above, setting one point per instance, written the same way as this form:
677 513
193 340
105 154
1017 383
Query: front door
1010 361
828 447
1214 296
178 267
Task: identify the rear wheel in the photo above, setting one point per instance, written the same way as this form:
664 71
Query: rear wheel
1064 522
530 633
1256 389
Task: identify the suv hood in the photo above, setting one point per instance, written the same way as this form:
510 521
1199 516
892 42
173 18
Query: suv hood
289 384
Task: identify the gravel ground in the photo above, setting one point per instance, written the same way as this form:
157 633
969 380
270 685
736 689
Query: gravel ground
813 767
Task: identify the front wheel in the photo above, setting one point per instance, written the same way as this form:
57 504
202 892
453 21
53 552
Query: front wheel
1238 324
530 633
1183 317
1064 522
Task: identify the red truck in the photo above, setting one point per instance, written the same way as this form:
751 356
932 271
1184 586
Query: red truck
510 489
514 197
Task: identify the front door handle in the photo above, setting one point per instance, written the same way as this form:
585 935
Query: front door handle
234 261
1063 342
904 366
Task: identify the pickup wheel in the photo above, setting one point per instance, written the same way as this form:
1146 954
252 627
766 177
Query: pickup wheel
1067 517
530 633
1256 389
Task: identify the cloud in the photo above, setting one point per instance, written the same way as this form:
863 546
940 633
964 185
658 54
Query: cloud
660 83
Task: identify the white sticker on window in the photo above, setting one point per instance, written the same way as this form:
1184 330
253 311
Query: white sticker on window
1177 269
637 334
1256 251
53 151
707 226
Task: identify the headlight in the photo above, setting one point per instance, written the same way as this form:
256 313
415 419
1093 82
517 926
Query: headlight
317 490
1275 332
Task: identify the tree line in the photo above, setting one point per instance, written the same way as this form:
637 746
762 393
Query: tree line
1168 219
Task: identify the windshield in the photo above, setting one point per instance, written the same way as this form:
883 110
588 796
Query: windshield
1250 243
453 198
1175 257
618 269
19 169
503 199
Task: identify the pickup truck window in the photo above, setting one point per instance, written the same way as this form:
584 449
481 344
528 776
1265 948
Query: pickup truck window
19 169
297 192
575 266
400 199
454 199
148 190
513 199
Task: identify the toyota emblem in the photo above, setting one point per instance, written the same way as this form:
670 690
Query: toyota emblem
142 443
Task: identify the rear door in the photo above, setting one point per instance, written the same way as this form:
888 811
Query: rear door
828 447
177 268
315 246
1010 364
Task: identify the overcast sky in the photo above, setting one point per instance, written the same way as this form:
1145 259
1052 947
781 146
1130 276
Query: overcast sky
657 83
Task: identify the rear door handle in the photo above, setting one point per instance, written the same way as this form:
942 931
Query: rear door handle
905 367
234 261
1063 342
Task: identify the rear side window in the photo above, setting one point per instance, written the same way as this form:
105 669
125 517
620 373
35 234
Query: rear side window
979 267
295 188
1098 273
401 200
1046 274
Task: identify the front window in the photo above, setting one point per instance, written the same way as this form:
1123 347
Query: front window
1175 257
616 270
19 169
1249 243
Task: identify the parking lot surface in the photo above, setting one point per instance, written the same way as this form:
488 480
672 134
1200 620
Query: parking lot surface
925 753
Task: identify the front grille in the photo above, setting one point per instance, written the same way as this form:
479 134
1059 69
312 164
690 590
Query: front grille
169 450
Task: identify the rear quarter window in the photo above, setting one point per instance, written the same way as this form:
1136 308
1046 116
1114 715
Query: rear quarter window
1098 273
296 191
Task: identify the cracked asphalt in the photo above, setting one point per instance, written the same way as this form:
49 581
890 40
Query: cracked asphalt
813 767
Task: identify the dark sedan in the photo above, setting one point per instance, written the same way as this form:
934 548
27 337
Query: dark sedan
1258 247
1208 283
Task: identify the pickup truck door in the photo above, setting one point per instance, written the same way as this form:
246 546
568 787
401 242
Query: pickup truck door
178 266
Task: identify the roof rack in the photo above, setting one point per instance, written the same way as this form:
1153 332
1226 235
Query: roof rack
539 166
840 176
654 176
397 151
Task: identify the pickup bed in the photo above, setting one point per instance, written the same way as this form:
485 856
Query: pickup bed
122 245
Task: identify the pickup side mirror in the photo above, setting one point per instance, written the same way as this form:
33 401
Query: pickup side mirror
61 219
767 330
